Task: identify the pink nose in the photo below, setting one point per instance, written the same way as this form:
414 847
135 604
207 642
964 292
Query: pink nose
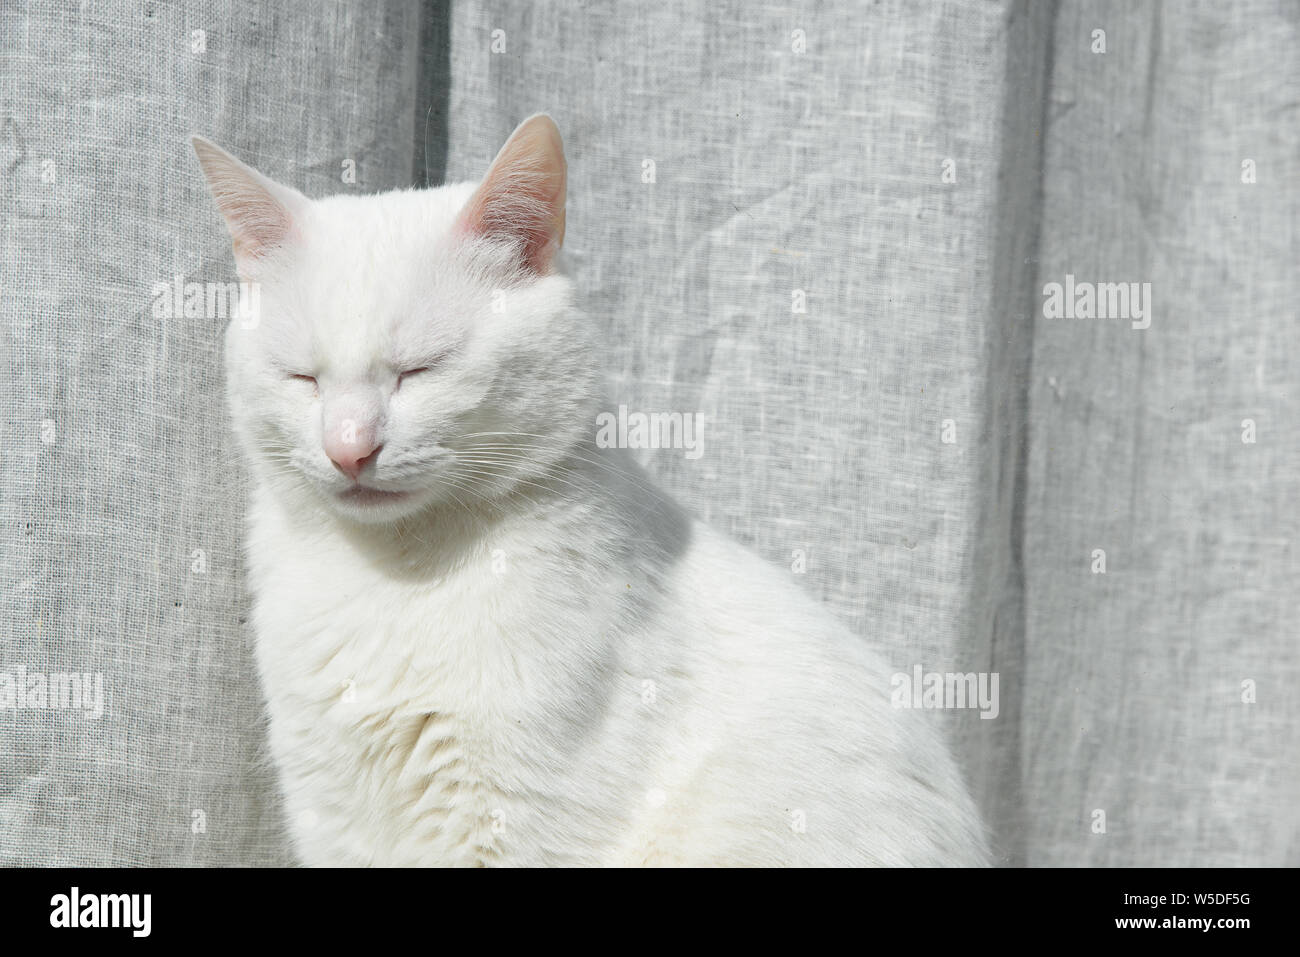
351 457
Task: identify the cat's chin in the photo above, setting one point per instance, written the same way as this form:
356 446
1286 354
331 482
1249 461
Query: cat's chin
373 506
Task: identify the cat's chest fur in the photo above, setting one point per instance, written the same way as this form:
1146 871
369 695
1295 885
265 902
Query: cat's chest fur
426 716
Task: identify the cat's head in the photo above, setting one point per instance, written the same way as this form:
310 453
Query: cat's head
409 348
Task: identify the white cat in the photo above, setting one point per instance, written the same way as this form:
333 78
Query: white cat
486 641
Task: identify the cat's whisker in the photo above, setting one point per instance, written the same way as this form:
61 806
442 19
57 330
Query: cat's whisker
637 483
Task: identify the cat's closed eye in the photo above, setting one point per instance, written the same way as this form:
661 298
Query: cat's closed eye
418 371
306 378
403 376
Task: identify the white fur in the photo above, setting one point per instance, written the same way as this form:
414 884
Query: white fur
535 659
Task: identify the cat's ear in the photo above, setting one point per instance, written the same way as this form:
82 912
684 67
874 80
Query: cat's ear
261 214
522 197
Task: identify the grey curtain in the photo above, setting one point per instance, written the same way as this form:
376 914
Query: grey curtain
825 226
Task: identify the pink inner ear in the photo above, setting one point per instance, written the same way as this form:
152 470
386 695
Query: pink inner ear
257 210
267 235
258 223
522 197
